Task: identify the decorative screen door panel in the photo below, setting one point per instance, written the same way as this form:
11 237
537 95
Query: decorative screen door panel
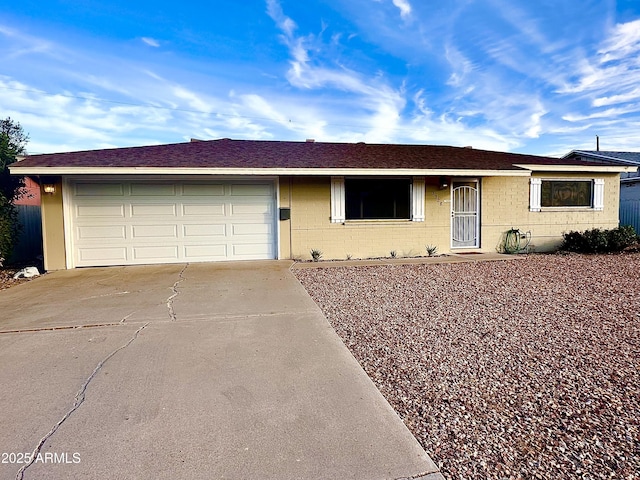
465 219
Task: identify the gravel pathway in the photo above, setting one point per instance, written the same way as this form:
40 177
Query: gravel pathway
527 368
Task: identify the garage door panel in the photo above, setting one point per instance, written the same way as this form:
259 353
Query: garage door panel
103 255
153 190
197 252
251 229
100 211
107 232
159 222
99 189
201 190
144 210
155 231
190 210
160 252
251 249
206 230
248 190
250 209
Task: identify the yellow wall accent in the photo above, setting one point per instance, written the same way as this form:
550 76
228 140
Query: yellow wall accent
504 205
53 227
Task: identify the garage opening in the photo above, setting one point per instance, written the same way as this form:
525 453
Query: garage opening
148 222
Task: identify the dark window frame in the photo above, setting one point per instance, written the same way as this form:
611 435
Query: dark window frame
377 198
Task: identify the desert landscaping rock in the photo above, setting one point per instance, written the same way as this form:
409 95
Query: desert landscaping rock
7 280
502 370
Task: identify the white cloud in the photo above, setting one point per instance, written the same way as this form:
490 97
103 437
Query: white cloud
23 44
382 102
152 42
610 113
404 6
623 42
274 10
632 95
460 65
616 64
195 101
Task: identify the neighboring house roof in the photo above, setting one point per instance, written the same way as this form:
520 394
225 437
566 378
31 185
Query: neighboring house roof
277 157
599 155
622 158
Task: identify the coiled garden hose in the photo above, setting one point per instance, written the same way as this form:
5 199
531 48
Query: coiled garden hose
516 241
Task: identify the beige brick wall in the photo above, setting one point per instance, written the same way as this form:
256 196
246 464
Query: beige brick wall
504 205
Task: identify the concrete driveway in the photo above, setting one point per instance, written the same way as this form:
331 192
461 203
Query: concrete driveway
218 370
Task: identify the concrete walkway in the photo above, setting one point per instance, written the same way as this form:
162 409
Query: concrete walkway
217 370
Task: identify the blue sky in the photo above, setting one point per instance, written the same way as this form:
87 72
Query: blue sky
542 77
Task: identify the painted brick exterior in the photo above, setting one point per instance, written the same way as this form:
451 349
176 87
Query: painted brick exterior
504 205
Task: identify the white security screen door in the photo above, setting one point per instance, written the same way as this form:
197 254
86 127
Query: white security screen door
465 220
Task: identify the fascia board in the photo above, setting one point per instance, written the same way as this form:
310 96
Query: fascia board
20 170
578 168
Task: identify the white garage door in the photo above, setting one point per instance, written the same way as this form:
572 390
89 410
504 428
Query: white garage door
139 222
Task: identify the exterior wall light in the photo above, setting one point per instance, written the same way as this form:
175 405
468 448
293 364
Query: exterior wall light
443 183
49 188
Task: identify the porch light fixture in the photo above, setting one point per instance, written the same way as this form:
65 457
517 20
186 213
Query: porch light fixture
49 188
443 183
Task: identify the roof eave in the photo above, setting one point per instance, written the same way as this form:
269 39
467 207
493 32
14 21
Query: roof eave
579 168
25 170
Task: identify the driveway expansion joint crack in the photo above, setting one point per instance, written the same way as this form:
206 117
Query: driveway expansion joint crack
61 327
171 299
78 400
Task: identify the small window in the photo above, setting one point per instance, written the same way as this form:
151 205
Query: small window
377 198
566 193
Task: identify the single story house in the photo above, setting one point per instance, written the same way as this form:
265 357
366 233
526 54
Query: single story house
240 199
629 181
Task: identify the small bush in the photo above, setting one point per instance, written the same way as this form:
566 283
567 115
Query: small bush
599 241
9 228
621 238
316 255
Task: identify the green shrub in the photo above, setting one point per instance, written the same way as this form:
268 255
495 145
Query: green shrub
621 238
9 229
599 241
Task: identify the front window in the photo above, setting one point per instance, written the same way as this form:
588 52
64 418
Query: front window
566 193
377 198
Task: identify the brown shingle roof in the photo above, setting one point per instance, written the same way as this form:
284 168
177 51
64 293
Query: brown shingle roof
256 154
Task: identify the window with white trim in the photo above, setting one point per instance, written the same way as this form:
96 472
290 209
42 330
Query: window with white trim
566 193
361 198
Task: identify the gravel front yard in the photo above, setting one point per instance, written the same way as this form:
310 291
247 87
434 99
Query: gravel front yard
528 368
